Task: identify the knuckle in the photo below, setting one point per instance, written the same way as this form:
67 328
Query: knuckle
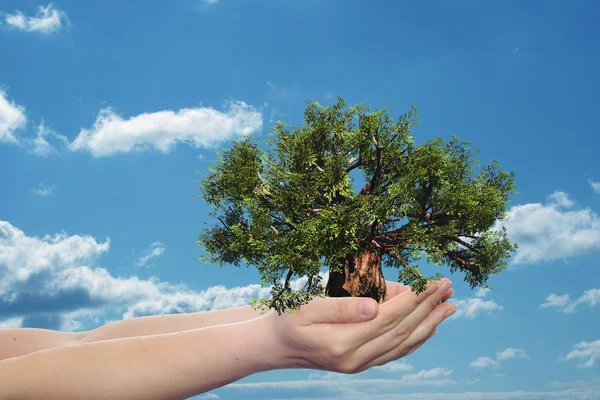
340 312
402 330
337 351
348 367
389 320
433 304
404 349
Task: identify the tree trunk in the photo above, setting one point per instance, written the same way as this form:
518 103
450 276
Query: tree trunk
362 277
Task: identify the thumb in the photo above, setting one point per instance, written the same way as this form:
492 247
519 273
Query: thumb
342 309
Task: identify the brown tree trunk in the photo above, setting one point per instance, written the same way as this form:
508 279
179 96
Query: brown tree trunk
362 277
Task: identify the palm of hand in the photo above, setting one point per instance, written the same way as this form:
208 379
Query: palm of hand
330 334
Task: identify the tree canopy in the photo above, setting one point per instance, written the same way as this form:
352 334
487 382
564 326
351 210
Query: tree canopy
292 209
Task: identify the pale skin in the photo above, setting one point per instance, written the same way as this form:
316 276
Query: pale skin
179 356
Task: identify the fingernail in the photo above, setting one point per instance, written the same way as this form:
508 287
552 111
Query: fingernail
449 312
445 286
367 308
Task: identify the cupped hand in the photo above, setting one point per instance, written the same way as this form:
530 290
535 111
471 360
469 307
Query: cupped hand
331 334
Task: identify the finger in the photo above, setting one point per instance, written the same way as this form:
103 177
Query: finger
396 322
338 310
419 336
412 350
390 356
389 315
428 326
412 321
395 288
449 293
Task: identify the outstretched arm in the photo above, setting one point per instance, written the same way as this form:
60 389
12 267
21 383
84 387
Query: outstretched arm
166 366
22 341
331 334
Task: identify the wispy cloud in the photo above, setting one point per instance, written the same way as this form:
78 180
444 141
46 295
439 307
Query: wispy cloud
594 185
44 190
572 394
488 362
547 232
590 297
472 307
395 366
484 362
201 127
432 377
12 119
203 5
282 92
589 352
58 278
47 20
511 352
40 146
153 251
561 199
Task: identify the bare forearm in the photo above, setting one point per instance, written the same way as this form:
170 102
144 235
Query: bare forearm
22 341
158 324
165 366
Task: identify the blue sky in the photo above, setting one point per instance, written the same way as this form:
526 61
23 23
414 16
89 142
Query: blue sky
108 108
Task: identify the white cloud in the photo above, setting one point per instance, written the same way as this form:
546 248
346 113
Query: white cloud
593 383
282 92
155 250
561 199
395 366
432 377
162 130
574 394
488 362
473 307
11 323
12 118
203 5
56 277
43 190
482 292
590 297
548 232
589 352
556 301
484 362
39 145
511 352
594 185
424 377
47 20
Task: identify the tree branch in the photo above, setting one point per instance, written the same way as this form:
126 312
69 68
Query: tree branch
358 163
287 280
467 245
399 257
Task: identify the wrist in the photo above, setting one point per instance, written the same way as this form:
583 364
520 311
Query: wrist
284 356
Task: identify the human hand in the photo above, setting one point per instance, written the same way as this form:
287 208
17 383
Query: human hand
330 333
395 288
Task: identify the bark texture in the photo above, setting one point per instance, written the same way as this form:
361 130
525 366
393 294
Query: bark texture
362 277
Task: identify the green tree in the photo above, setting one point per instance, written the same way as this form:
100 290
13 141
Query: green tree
292 210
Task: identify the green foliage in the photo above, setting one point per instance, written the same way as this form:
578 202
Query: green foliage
293 208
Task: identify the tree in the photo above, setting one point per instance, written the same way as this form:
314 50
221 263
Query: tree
293 209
